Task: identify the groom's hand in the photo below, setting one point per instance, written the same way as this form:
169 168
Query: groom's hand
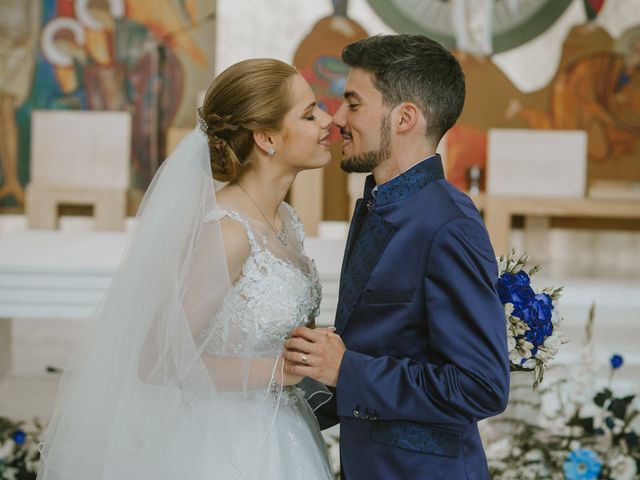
315 354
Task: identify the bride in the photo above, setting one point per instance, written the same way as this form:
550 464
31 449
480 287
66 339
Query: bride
183 376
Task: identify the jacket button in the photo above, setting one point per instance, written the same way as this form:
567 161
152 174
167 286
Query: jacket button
356 413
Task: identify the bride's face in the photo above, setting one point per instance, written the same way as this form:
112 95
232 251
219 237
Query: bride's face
304 137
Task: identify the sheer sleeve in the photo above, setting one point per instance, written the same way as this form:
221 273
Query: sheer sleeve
231 346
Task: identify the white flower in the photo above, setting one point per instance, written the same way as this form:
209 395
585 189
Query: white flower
544 356
550 348
529 363
525 347
521 352
623 467
516 327
32 458
508 309
334 451
553 342
499 450
502 263
9 473
7 449
497 465
534 456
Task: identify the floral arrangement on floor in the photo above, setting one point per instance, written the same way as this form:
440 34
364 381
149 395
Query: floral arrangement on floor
19 454
332 441
602 446
533 334
582 434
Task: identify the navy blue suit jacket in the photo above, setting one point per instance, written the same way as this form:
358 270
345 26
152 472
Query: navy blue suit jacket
425 332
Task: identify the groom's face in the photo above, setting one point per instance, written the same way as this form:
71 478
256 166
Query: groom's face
364 124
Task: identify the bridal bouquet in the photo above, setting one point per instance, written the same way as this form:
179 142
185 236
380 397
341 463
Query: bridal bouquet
533 332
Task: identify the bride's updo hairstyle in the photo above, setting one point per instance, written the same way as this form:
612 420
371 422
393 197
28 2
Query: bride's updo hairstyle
248 96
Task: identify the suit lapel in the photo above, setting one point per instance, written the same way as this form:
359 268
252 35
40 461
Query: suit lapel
361 257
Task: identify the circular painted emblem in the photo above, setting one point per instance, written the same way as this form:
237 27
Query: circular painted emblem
514 21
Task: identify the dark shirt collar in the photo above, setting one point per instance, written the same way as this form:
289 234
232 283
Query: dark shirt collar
404 184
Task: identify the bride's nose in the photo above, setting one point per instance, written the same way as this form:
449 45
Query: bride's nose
326 120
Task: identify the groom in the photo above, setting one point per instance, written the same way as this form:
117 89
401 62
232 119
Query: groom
419 352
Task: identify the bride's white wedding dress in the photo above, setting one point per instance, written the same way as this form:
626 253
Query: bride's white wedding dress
178 380
272 296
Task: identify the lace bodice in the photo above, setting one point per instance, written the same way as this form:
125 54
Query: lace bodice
271 297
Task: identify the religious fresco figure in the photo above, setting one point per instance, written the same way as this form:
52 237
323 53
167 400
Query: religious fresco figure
598 92
18 36
92 55
596 88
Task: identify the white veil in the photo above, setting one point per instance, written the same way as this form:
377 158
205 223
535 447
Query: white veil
145 399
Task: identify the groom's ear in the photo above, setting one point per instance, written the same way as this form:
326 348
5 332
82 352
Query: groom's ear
263 139
406 116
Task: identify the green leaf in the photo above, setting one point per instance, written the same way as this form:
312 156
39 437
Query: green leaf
586 423
618 407
602 397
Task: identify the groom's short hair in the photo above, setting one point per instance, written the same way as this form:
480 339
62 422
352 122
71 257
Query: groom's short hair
413 68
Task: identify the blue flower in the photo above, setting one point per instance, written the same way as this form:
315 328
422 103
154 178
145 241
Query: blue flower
19 437
616 361
504 287
536 313
521 279
535 336
515 288
610 422
582 464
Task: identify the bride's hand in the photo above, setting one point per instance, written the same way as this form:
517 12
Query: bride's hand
286 379
290 379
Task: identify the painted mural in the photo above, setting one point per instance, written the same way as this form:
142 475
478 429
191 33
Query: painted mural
596 88
318 59
95 55
599 92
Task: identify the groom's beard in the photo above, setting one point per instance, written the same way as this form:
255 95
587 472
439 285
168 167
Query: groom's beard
365 162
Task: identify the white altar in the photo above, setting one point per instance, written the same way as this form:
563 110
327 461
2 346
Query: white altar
63 275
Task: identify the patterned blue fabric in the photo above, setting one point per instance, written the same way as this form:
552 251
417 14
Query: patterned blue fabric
374 232
409 182
373 237
417 438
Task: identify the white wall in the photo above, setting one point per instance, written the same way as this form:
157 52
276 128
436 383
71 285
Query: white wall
275 28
